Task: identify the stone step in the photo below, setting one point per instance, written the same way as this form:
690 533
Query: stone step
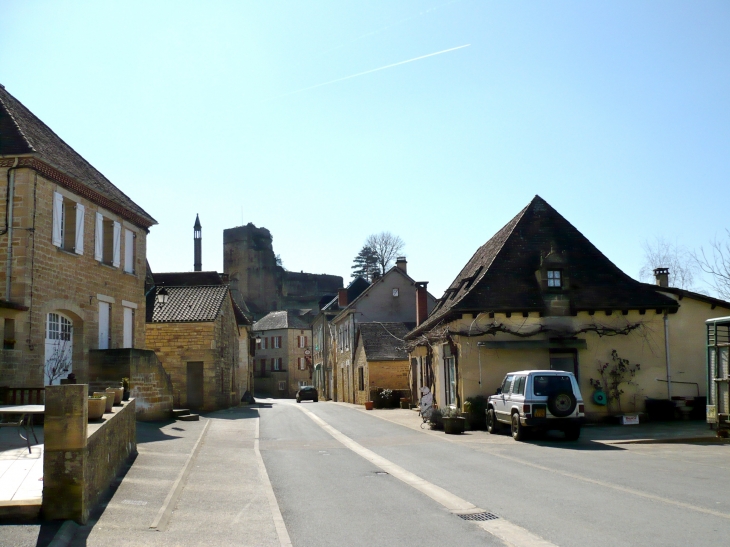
180 412
189 418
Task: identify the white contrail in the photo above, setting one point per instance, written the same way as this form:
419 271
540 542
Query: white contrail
374 70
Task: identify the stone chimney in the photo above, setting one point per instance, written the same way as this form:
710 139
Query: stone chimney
197 244
402 263
421 302
662 276
342 298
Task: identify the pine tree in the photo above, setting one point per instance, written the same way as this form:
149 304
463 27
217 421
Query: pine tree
365 263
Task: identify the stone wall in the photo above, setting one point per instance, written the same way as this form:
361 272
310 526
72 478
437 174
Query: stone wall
80 460
46 278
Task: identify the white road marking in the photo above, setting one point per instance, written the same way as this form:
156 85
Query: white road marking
506 531
281 531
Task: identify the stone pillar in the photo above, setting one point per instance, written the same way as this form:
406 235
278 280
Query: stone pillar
65 433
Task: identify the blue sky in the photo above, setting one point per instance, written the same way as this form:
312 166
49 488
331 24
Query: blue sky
617 113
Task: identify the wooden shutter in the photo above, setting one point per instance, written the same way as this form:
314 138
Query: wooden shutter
116 261
266 342
79 243
99 238
56 238
128 251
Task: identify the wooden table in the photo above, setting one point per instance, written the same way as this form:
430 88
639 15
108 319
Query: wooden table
25 422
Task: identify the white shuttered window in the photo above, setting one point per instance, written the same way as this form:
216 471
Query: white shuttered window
57 238
79 244
128 251
116 261
99 239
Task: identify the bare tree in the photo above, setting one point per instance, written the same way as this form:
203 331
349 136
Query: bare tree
59 362
386 247
716 262
661 253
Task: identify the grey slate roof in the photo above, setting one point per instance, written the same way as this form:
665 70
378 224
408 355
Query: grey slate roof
500 277
21 132
384 341
187 279
283 319
190 304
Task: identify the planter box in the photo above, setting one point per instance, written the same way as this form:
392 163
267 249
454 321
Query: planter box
454 426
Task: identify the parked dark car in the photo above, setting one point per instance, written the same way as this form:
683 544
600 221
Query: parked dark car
307 393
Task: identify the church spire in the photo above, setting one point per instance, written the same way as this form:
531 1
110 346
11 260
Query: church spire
197 242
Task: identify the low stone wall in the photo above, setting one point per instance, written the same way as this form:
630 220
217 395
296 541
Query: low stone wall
81 459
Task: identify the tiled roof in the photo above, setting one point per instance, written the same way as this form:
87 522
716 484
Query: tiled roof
187 279
501 276
21 132
354 289
384 341
284 319
189 304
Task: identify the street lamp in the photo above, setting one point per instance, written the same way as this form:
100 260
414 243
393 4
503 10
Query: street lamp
162 296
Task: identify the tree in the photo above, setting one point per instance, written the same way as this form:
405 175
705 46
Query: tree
58 362
386 247
716 262
365 263
661 253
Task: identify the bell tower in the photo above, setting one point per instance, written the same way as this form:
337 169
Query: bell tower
197 242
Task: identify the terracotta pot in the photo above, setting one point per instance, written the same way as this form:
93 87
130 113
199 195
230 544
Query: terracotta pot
117 393
96 405
108 397
368 405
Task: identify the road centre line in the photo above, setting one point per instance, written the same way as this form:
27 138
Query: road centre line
619 488
506 531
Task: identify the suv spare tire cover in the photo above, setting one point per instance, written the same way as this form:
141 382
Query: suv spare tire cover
561 403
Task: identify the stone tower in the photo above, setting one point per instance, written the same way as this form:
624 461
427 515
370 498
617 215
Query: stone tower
198 245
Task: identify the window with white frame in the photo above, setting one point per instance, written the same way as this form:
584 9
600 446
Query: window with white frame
128 327
450 379
282 386
302 363
108 241
68 224
129 250
302 341
277 363
554 278
276 342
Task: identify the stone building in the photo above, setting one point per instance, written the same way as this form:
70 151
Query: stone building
257 279
199 335
393 298
381 360
72 249
283 361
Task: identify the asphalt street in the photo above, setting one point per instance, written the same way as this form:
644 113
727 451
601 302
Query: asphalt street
566 493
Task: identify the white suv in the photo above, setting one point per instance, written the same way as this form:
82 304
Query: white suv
537 400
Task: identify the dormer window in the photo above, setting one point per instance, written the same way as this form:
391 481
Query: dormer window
554 279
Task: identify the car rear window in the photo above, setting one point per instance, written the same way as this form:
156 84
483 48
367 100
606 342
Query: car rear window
545 385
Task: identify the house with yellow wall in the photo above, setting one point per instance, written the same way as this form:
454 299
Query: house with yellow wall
539 295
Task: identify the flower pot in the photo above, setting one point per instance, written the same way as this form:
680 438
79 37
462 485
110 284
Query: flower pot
108 397
368 405
125 395
454 426
97 406
405 404
116 393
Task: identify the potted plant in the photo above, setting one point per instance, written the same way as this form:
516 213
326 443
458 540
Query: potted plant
405 402
369 405
116 394
97 406
125 387
453 421
108 399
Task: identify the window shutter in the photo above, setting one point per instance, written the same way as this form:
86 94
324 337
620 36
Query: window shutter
117 244
99 239
128 251
79 244
279 340
266 343
57 218
306 340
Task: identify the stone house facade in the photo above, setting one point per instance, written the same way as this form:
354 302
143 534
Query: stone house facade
196 335
381 360
391 298
72 249
539 295
283 355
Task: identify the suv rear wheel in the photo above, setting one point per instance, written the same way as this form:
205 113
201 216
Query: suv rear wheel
492 424
518 431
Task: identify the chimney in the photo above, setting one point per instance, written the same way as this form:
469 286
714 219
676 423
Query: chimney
421 302
197 244
342 298
662 276
402 263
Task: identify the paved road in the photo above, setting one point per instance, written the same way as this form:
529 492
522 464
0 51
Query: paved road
544 492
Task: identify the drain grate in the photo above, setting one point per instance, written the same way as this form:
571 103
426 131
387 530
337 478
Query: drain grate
479 516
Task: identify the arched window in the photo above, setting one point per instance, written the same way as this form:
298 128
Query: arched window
59 348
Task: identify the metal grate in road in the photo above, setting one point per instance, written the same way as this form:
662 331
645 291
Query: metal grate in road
478 516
